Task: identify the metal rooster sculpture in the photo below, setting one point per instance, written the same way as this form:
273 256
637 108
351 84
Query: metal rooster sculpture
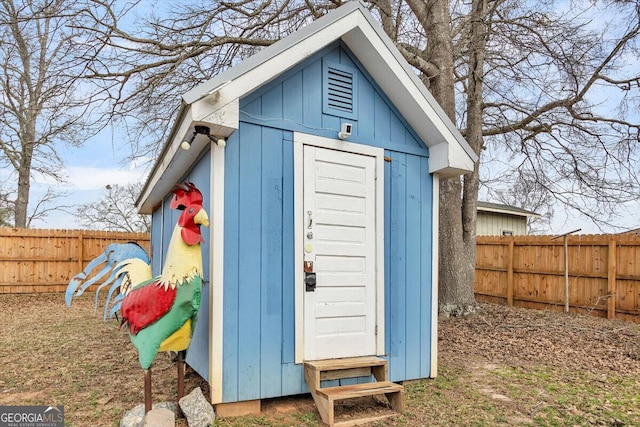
159 312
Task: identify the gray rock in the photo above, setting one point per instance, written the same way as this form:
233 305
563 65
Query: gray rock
197 409
133 417
159 418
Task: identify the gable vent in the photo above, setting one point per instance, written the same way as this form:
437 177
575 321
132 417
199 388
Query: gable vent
340 90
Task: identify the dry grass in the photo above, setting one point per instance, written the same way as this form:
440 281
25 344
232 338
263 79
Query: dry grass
58 356
505 367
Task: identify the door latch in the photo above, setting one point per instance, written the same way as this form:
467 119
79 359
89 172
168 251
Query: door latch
310 281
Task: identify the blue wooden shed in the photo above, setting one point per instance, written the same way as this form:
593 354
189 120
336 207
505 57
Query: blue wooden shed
319 159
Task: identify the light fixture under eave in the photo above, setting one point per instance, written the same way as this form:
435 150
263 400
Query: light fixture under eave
186 144
202 130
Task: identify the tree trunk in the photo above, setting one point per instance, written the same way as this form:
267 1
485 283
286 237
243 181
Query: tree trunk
24 181
458 254
28 143
457 201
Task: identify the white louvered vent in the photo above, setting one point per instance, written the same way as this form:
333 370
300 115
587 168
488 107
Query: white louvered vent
340 89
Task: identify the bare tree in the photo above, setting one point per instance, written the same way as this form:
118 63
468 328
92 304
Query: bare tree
42 101
520 79
47 203
6 211
542 98
115 211
525 192
145 70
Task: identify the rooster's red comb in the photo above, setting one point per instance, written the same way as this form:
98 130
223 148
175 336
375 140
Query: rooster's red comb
184 195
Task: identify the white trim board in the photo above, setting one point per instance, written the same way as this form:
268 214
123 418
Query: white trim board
216 274
435 275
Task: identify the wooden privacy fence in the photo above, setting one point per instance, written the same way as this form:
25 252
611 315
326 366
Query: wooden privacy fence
33 260
529 271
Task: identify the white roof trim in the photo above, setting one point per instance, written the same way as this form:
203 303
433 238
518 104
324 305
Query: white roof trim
215 102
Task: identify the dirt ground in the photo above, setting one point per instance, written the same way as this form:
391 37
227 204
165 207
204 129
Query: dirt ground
505 366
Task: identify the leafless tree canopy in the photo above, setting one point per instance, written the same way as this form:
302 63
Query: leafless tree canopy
6 212
115 211
561 103
43 101
145 67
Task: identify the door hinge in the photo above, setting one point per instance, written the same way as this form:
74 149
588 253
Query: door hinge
376 329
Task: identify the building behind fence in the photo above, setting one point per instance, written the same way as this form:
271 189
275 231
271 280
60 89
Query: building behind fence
34 260
529 271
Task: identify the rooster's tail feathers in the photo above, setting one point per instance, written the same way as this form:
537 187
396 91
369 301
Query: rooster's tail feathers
116 257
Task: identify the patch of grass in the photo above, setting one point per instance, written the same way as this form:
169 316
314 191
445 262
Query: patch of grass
307 418
248 421
575 397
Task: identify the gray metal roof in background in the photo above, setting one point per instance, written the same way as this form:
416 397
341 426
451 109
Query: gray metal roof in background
500 208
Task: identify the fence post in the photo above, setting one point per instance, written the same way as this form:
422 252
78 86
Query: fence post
80 251
566 274
611 281
510 274
566 266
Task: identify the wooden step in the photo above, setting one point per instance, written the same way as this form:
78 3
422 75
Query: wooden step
346 363
325 397
360 390
353 367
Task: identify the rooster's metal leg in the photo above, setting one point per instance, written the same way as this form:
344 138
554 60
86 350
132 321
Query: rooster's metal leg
181 374
147 390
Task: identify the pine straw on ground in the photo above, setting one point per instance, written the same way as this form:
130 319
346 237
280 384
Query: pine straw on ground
505 366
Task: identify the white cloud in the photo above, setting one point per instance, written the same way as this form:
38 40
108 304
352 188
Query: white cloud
93 178
85 184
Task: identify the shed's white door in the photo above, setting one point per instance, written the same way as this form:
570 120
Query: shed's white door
340 242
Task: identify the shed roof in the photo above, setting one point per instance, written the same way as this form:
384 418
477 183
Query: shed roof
505 209
215 103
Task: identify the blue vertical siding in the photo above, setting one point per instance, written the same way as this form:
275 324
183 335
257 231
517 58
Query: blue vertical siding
259 323
426 268
258 332
413 263
408 252
156 251
198 353
163 222
292 375
395 300
271 271
248 283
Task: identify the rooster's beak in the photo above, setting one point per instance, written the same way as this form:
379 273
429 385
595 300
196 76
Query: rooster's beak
201 218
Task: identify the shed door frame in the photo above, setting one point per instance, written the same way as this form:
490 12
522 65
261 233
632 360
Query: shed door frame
301 139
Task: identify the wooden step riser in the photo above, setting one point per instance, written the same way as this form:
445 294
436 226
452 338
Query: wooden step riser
345 373
338 369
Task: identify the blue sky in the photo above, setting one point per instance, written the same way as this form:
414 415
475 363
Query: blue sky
101 161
